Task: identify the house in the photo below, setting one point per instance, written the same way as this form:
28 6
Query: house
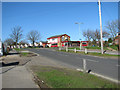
116 40
36 44
84 43
58 40
26 45
43 44
74 43
77 43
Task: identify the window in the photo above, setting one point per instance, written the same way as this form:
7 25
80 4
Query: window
54 44
62 38
84 43
53 39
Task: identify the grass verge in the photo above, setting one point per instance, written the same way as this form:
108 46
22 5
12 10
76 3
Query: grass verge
105 48
94 54
65 78
19 49
24 53
114 47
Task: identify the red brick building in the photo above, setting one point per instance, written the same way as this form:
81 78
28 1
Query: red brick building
58 40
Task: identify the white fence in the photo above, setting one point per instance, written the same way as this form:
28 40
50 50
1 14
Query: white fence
87 51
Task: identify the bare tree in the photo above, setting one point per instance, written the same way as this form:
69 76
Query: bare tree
16 34
113 28
97 34
87 34
33 36
94 35
9 41
23 42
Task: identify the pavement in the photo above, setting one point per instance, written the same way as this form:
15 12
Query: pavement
107 67
14 76
17 77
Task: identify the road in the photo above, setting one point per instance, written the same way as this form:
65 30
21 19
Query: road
104 66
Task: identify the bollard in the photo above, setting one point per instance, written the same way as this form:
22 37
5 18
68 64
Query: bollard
59 48
86 51
75 50
84 65
66 49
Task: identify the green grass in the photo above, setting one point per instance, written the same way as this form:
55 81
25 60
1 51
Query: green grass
105 48
64 78
93 53
114 47
24 53
77 48
18 49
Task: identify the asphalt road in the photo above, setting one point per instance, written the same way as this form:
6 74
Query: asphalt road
104 66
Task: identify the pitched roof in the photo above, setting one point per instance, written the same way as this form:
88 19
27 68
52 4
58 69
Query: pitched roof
57 35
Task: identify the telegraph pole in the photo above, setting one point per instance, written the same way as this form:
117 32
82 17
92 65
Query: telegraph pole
100 27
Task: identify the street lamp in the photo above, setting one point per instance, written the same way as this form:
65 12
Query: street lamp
101 36
79 31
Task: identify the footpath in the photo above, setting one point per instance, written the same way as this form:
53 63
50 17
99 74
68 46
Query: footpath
16 76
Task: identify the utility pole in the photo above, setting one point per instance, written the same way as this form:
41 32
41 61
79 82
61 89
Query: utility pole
100 27
79 31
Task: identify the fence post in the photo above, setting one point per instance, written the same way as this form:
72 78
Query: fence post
86 51
84 65
66 49
75 49
59 48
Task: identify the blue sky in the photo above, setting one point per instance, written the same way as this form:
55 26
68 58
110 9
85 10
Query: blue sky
53 18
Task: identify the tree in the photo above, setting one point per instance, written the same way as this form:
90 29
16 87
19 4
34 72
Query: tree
23 42
33 36
95 35
110 40
113 28
16 34
9 41
87 34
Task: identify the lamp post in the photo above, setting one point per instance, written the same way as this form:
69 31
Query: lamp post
100 27
79 31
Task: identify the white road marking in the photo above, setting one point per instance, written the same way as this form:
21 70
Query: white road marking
88 59
91 60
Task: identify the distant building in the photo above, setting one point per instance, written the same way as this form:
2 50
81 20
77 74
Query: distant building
43 44
84 43
77 43
58 40
116 40
64 40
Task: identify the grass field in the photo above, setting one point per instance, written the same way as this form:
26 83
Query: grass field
66 78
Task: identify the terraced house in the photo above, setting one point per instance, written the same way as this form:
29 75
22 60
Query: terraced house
58 40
